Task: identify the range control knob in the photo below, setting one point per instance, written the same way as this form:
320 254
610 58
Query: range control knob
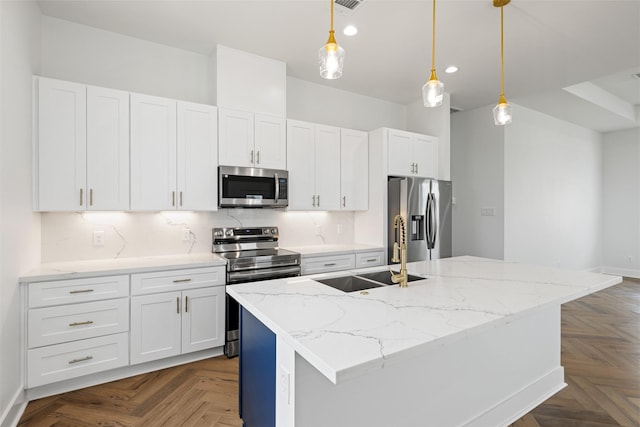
266 231
218 233
229 233
274 231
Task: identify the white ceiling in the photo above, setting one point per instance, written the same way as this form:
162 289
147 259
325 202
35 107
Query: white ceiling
549 45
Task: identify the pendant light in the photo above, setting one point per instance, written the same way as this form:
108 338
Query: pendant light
433 90
502 114
331 56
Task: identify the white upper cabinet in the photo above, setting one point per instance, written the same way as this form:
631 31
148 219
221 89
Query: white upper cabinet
197 157
82 147
327 153
173 155
313 156
302 165
251 140
107 149
270 142
354 170
411 154
153 153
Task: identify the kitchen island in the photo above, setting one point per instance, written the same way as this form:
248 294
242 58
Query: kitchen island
477 343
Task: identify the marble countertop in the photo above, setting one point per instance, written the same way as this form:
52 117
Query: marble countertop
89 268
321 250
345 335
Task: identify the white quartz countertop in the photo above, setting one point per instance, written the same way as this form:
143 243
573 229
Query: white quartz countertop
89 268
345 335
319 250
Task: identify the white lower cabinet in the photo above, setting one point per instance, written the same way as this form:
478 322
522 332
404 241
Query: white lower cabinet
60 362
327 263
167 324
76 327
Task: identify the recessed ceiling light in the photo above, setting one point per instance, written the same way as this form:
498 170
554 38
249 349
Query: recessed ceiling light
350 30
451 69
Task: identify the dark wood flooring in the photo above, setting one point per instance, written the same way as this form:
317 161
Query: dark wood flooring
600 353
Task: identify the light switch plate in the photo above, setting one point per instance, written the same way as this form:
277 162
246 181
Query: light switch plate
98 238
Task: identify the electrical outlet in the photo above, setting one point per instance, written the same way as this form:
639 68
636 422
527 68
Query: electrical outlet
487 211
318 230
98 238
339 229
629 259
186 234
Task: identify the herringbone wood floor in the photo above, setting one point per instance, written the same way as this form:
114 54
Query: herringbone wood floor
600 353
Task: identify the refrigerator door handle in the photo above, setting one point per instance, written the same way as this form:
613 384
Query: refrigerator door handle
431 221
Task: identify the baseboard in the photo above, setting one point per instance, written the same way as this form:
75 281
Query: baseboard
625 272
522 402
11 416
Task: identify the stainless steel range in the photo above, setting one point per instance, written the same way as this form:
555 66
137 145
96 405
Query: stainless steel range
252 254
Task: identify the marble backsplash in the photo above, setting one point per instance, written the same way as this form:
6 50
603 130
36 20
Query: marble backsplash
70 236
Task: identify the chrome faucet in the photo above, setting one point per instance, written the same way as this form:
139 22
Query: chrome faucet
400 244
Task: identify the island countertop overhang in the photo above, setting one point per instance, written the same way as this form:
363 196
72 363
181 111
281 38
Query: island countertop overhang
345 335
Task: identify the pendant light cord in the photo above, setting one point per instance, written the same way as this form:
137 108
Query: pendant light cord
502 50
433 40
331 15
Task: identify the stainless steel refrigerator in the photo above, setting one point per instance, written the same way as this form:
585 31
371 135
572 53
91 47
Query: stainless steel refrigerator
426 206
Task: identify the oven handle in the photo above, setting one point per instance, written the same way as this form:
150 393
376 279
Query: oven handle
240 276
277 186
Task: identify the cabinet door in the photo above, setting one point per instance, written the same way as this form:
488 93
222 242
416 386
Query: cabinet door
107 149
235 138
354 170
270 142
197 157
61 151
203 319
400 160
153 153
425 154
155 326
327 168
301 161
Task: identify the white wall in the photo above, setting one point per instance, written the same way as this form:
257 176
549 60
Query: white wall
316 103
89 55
19 227
553 192
621 202
436 122
477 171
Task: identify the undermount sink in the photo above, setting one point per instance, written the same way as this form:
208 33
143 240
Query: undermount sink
360 282
385 277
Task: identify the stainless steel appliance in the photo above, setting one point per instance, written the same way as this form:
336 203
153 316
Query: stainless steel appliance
252 254
426 205
252 187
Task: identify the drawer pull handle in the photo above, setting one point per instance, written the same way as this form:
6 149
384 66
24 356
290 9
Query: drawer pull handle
371 260
84 359
88 322
81 291
330 264
181 280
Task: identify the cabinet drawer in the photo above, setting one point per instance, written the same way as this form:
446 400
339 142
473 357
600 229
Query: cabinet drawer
176 280
369 259
60 292
55 325
325 264
70 360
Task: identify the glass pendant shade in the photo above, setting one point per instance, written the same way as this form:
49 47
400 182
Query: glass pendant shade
433 92
331 59
502 114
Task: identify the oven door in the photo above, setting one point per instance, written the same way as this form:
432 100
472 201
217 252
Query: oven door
252 187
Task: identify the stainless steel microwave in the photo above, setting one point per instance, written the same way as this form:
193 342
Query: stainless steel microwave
252 187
